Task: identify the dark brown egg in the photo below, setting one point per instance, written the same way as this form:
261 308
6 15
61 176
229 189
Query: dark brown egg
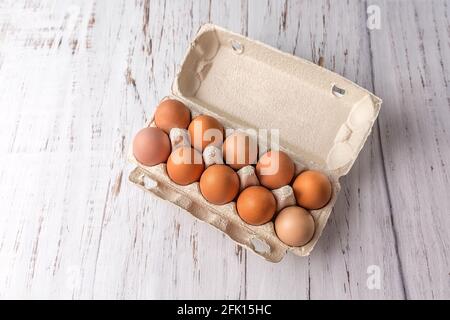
185 166
256 205
151 146
294 226
172 114
275 169
219 184
312 189
205 130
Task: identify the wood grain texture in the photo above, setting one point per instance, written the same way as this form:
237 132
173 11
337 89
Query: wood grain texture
79 78
414 133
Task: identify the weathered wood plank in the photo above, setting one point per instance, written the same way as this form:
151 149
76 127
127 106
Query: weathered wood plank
411 70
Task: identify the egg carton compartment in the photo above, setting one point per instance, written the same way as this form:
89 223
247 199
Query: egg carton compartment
323 118
262 239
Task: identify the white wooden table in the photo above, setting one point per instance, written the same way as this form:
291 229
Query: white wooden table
79 78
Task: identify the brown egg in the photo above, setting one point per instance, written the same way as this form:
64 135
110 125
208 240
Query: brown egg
294 226
275 169
172 114
151 146
240 150
185 165
205 130
219 184
312 189
256 205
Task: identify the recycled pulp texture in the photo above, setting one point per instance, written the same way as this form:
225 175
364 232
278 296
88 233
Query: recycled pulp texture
323 121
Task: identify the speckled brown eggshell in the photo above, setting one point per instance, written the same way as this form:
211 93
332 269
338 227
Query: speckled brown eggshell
312 189
205 130
282 173
256 205
151 146
240 150
185 165
294 226
172 114
219 184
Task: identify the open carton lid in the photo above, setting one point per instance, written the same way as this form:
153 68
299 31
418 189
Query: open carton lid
323 119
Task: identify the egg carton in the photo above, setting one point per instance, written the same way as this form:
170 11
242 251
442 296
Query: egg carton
323 120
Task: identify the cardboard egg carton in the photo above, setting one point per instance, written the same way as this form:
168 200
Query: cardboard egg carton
323 121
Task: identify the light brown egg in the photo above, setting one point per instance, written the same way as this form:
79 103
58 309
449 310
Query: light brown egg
294 226
205 130
256 205
219 184
185 165
151 146
172 114
275 169
312 189
240 150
